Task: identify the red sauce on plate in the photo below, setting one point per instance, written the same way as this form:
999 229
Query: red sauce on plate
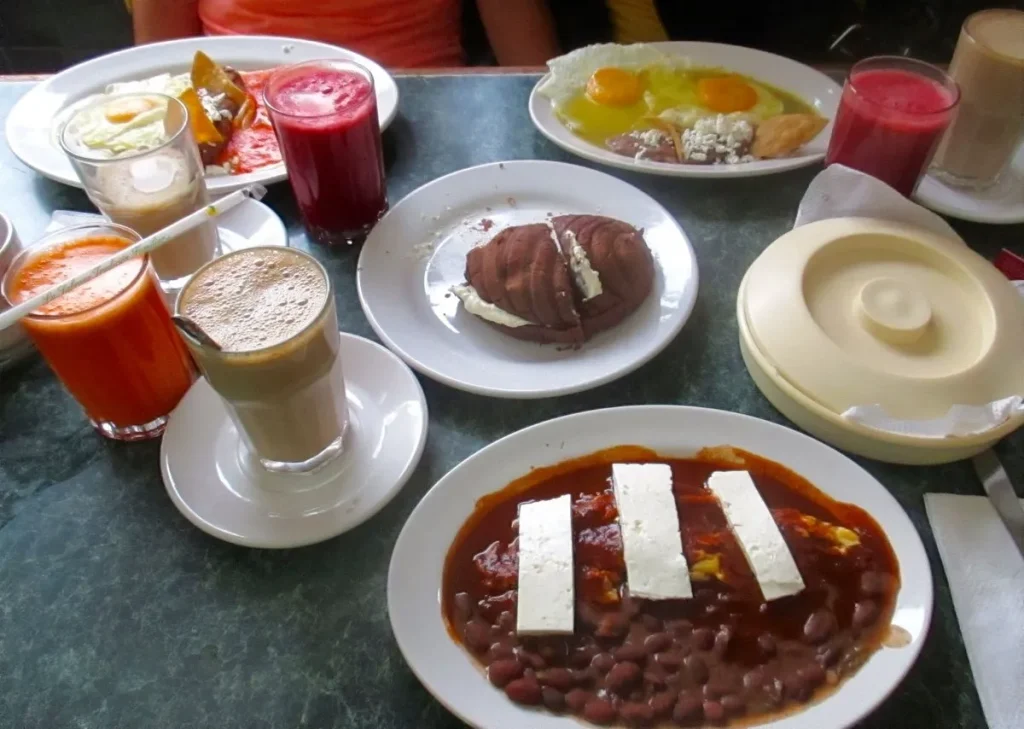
724 655
256 147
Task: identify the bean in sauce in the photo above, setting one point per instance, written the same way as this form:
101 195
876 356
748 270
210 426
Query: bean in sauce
724 655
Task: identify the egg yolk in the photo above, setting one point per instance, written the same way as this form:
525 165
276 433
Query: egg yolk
614 87
123 111
726 94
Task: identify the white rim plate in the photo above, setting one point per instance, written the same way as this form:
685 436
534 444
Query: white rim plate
414 577
251 224
417 252
30 125
812 86
212 484
1003 203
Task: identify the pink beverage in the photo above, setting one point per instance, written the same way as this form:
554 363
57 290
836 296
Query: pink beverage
891 117
325 116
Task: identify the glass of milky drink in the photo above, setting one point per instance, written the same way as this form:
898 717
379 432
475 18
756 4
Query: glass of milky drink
988 64
273 359
138 161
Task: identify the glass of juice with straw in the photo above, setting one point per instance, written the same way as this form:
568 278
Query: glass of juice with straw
110 341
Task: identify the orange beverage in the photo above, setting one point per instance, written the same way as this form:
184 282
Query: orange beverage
111 340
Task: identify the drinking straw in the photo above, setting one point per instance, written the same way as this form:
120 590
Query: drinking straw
146 245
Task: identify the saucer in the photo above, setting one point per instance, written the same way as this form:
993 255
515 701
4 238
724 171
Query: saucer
250 224
1003 203
218 486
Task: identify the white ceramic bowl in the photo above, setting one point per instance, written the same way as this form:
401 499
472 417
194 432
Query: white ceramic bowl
14 342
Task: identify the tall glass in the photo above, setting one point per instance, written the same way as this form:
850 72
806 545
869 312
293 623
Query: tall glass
325 116
891 116
149 186
110 341
989 66
275 365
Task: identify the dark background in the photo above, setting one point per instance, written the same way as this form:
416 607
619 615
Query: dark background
46 35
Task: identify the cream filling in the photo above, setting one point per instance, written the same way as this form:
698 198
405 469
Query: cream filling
485 310
587 280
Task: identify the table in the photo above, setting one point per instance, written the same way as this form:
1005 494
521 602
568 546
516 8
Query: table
117 613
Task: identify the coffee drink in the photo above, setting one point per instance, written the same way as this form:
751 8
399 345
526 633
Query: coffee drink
989 67
272 313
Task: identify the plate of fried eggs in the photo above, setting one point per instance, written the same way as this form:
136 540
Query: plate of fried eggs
686 109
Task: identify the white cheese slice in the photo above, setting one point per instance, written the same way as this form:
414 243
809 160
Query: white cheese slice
546 593
652 546
755 529
486 310
587 280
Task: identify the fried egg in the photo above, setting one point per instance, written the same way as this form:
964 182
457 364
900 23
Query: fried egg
111 125
605 90
117 124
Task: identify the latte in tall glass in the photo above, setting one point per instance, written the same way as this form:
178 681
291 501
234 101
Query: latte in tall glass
272 313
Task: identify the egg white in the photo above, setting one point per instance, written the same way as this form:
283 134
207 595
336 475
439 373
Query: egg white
568 74
92 130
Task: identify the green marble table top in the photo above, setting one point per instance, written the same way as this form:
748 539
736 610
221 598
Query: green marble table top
116 613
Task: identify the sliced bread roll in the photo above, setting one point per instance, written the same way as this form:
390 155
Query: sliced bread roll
611 266
522 272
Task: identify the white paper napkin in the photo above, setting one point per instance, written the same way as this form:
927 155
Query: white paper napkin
841 192
986 577
66 218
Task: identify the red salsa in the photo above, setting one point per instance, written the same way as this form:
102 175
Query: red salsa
256 146
724 655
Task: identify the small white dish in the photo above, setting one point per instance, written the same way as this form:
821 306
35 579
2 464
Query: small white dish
1002 204
14 342
31 125
250 224
812 86
218 486
417 252
417 563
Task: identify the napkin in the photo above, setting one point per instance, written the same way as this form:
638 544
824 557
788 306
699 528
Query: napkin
841 192
986 577
66 218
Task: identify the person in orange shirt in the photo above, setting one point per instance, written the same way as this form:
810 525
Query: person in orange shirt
395 33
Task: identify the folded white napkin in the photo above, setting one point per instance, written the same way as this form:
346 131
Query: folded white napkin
986 576
841 192
66 218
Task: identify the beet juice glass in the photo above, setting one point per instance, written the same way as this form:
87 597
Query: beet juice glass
325 117
891 117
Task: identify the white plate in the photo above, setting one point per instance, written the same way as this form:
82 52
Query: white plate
414 577
250 224
1002 203
812 86
216 486
417 252
30 125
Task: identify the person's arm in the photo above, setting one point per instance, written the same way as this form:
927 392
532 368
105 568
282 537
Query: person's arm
157 20
522 33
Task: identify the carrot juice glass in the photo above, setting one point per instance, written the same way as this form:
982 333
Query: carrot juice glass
110 341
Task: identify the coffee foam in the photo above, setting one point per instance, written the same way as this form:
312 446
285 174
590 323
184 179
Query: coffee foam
256 298
1003 32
